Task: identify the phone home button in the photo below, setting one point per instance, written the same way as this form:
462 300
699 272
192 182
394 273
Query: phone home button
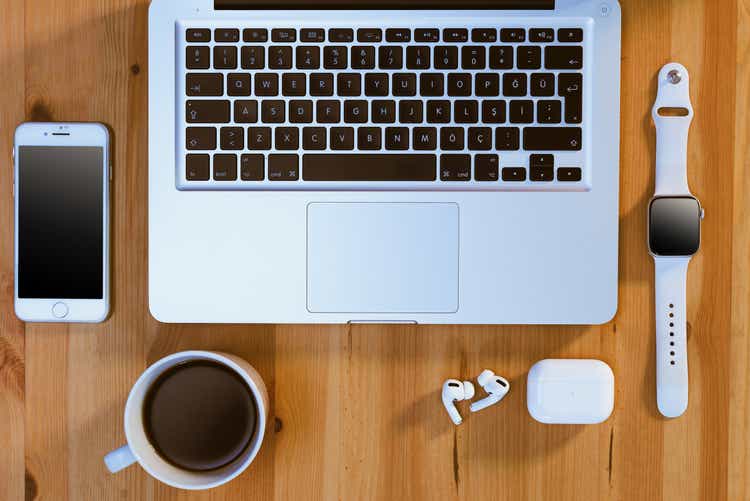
60 310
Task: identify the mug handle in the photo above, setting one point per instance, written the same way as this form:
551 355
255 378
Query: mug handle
119 459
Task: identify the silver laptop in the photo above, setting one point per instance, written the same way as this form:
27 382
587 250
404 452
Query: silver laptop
443 166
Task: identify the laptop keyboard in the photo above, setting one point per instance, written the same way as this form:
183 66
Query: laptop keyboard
381 108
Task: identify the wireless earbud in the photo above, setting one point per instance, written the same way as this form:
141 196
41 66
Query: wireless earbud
454 391
496 388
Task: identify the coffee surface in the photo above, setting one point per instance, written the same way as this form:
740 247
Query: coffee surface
200 415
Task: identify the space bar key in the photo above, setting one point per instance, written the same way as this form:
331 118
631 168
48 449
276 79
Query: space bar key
369 167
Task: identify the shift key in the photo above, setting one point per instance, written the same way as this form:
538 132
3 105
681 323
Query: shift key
207 112
552 138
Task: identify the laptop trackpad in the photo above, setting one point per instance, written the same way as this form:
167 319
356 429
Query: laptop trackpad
382 258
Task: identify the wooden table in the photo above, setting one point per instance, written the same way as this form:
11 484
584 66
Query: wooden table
357 408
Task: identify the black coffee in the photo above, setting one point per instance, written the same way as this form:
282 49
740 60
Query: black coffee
200 415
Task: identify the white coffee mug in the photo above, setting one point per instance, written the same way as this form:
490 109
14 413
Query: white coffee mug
139 449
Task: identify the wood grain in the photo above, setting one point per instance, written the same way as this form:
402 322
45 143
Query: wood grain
355 410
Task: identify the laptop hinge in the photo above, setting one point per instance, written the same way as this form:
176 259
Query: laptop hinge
384 4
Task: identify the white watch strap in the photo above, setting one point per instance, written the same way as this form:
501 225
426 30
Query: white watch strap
671 335
672 131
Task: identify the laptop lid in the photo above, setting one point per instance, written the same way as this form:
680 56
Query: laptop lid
386 4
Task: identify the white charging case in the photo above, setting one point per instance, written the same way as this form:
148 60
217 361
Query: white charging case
570 391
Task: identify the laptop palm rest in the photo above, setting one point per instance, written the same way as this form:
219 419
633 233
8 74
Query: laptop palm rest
382 257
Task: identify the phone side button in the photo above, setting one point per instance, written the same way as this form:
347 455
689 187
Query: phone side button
60 310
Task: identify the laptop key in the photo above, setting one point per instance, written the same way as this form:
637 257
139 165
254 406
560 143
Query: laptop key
369 35
314 35
328 111
272 111
256 35
438 111
459 84
300 111
342 138
541 35
363 57
283 167
227 35
197 58
466 111
455 35
455 167
280 58
549 112
252 167
427 35
340 35
514 84
521 112
446 57
293 84
410 111
355 112
396 138
424 138
493 111
501 57
198 35
542 168
266 84
321 84
314 138
238 84
473 58
404 84
225 57
369 138
308 57
512 35
486 167
487 84
284 35
349 84
207 112
245 111
232 138
542 84
563 57
371 167
376 84
253 57
569 174
452 138
200 138
384 111
570 86
516 174
480 138
552 138
391 57
287 138
197 167
570 35
204 84
529 57
431 84
225 167
335 57
398 35
507 138
259 138
418 57
484 35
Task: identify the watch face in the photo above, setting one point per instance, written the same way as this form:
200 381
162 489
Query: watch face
674 226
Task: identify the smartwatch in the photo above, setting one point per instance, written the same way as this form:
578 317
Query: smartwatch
674 236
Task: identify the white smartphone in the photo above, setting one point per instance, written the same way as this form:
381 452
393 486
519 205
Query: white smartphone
61 196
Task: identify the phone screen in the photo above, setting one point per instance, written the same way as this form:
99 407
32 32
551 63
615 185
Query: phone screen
61 222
